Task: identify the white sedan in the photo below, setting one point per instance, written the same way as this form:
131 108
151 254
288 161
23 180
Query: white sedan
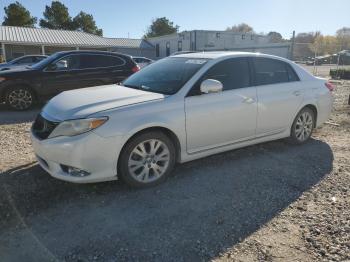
177 109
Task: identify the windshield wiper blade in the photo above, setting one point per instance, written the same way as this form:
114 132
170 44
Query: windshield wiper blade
132 86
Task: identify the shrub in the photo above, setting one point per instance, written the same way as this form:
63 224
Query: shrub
340 73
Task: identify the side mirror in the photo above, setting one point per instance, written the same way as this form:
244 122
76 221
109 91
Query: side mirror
211 86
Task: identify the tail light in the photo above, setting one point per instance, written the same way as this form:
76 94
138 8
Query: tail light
135 68
330 86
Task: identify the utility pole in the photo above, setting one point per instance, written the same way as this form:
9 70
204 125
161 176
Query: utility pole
292 46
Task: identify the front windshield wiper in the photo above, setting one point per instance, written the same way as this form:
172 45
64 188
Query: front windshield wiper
131 86
144 88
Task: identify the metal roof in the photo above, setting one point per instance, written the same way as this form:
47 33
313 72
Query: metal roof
50 37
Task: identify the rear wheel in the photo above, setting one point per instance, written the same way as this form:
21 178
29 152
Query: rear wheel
19 98
303 126
147 160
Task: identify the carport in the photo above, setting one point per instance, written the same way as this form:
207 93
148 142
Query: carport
18 41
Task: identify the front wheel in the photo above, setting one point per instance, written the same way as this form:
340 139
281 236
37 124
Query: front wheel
147 160
19 98
303 126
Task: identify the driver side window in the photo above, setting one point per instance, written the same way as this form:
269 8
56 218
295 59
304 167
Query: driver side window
232 73
66 63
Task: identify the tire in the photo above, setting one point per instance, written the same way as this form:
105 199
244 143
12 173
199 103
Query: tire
19 98
302 127
141 167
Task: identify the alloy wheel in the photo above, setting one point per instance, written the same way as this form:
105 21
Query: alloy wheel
303 126
20 99
149 160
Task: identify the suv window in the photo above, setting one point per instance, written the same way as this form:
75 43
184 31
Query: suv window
271 71
24 60
232 73
38 58
96 61
66 63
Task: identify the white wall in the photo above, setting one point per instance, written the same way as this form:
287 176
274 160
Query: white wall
219 40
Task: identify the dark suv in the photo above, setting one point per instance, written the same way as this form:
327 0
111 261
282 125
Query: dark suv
62 71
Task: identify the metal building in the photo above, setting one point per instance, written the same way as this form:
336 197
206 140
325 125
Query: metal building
18 41
204 40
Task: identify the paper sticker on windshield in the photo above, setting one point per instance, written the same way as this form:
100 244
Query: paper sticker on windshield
196 61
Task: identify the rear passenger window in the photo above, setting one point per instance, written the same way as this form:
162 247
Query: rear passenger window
271 71
96 61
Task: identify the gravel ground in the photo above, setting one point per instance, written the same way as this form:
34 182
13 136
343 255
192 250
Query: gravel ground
269 202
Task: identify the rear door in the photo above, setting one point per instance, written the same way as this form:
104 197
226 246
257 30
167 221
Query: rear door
99 69
279 93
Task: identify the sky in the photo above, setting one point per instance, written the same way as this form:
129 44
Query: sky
120 18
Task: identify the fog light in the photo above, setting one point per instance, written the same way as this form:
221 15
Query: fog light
73 171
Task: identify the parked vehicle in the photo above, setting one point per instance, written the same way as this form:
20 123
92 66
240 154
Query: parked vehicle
177 109
142 61
22 61
62 71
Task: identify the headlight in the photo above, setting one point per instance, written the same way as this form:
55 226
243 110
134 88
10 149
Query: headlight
2 79
77 126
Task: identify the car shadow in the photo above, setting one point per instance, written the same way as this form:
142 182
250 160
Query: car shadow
8 116
206 207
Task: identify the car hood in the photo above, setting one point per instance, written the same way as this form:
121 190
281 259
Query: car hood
4 64
80 103
16 68
14 71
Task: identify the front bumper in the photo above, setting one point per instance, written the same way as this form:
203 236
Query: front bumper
89 151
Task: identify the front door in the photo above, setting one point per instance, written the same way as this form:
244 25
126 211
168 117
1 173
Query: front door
218 119
62 75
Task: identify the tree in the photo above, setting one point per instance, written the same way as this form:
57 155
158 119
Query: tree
241 28
17 15
57 16
161 26
324 45
302 45
343 37
86 23
275 37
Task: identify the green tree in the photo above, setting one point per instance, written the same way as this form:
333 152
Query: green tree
17 15
86 23
275 37
57 16
241 28
161 26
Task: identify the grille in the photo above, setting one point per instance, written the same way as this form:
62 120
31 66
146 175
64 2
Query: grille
42 127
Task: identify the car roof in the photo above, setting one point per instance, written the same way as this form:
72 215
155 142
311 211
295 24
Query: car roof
92 52
220 54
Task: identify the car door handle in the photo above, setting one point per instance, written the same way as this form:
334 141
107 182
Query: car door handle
248 100
297 93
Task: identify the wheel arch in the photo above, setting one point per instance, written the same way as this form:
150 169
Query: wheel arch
311 106
314 110
168 132
12 85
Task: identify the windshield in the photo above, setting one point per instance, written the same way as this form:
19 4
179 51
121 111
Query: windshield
46 61
165 76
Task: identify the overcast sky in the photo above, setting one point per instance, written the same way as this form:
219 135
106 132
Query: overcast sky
120 18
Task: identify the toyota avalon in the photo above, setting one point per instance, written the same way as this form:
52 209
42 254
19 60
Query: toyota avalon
175 110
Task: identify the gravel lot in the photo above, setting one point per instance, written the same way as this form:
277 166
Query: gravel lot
269 202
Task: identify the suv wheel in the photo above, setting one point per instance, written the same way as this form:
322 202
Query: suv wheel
147 160
303 126
19 98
